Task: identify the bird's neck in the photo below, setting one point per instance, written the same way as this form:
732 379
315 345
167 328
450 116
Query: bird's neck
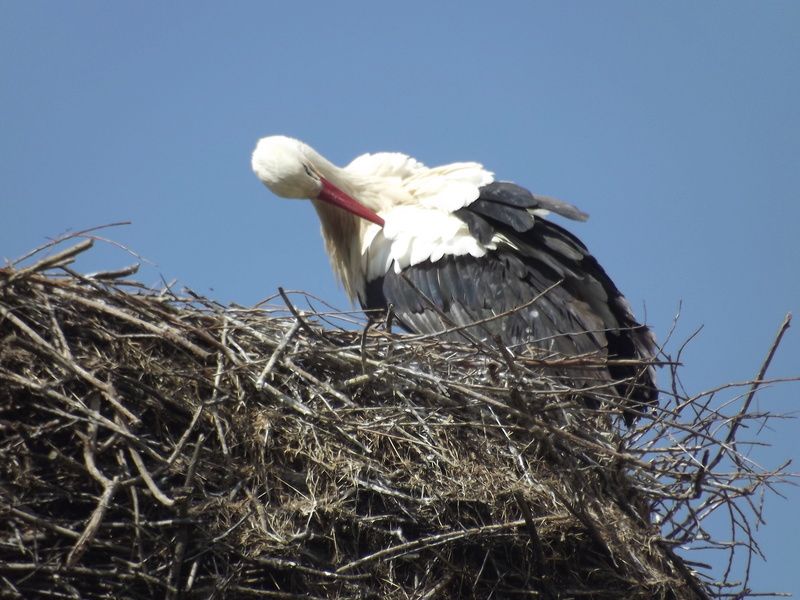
342 233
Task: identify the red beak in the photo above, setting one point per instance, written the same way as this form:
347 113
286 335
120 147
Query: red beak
333 195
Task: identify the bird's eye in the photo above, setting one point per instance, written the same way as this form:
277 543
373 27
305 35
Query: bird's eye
309 172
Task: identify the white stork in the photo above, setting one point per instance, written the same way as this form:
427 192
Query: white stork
449 246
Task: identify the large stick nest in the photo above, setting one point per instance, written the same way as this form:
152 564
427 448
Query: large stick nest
161 446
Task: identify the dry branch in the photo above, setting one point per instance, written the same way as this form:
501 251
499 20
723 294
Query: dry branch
161 446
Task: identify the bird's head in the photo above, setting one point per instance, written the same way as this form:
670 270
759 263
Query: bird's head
292 169
282 165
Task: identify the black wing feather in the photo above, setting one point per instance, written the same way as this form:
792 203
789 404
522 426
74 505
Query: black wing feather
504 192
518 220
578 309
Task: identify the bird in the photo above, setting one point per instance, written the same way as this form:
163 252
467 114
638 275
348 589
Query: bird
454 252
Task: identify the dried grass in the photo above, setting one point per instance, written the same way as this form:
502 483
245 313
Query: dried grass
153 445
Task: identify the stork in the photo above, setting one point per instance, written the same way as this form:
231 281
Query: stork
457 253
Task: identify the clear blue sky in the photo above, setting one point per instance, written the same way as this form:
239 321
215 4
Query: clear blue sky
675 125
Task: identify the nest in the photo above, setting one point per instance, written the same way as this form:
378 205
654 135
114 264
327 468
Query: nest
155 445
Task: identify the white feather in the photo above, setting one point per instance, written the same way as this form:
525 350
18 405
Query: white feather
446 188
385 164
419 224
414 234
449 187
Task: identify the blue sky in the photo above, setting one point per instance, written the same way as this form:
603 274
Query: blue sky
675 125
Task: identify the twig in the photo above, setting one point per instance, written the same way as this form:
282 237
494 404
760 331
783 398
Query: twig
306 327
737 420
63 257
182 541
114 273
427 542
148 479
94 523
81 233
273 359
